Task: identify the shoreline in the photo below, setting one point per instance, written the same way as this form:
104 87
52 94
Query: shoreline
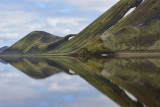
118 54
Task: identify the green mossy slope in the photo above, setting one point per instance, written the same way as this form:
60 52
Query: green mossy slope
105 21
138 31
112 32
34 42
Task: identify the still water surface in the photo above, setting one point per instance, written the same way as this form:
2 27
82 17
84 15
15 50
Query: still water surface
69 82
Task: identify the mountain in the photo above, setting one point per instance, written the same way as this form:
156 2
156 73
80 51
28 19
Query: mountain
3 48
136 32
96 28
34 43
115 31
52 46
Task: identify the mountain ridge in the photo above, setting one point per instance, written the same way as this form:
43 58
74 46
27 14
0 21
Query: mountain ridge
32 43
112 32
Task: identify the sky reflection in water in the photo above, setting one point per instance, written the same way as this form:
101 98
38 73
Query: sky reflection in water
81 82
60 90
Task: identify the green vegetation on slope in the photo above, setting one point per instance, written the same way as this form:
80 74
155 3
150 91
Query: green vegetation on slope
130 38
35 42
101 24
112 32
138 31
53 45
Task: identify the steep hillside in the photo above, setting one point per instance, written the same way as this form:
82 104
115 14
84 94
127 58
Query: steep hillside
138 31
114 31
35 42
96 28
52 46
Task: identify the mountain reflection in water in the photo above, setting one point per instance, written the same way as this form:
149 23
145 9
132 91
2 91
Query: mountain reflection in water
128 82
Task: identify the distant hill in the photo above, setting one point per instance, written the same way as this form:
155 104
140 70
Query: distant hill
35 42
3 48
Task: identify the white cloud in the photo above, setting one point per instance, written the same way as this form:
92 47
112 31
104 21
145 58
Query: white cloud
94 5
8 35
11 74
17 90
40 0
16 17
69 21
66 25
17 20
59 86
1 41
90 101
85 5
14 24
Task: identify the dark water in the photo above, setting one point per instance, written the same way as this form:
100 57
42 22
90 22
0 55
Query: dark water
69 82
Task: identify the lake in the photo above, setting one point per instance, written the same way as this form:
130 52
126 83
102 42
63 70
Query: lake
79 82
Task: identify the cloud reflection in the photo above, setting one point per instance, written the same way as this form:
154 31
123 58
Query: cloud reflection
61 90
